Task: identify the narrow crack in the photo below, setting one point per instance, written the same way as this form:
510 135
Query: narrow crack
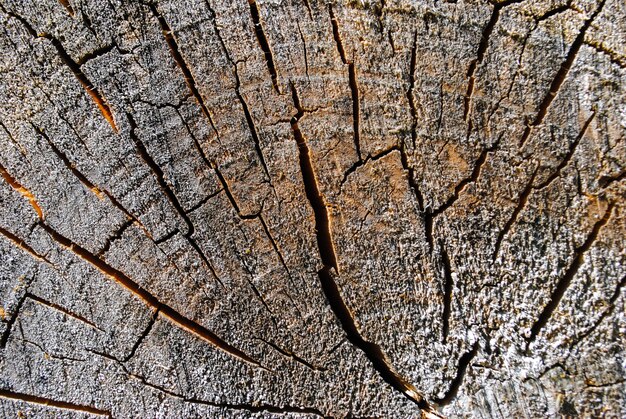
329 261
171 196
305 54
28 398
447 292
74 67
248 116
480 54
605 314
116 236
61 309
20 244
7 332
410 94
263 42
146 297
430 214
352 81
563 283
606 181
142 337
568 156
182 64
455 385
405 166
561 75
291 355
256 407
521 203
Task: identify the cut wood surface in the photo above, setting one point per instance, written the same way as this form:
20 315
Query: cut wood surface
303 208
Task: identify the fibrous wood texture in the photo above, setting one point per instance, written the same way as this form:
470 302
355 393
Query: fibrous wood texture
363 208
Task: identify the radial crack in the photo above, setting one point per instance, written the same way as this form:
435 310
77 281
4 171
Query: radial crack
182 64
7 331
150 300
410 92
20 244
352 81
60 309
429 214
447 291
561 75
142 337
329 261
568 156
291 355
74 67
263 42
28 398
482 48
521 203
464 363
568 276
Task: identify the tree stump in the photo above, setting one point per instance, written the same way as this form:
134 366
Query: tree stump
302 208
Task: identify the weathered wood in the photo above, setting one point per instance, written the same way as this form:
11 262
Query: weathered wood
298 208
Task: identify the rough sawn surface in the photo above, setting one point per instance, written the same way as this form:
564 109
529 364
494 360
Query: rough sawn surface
301 208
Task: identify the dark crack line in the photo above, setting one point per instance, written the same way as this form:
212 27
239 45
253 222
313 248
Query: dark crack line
605 314
61 309
410 92
567 278
521 203
430 214
455 385
606 181
561 75
28 398
142 337
568 156
190 81
243 406
329 261
11 322
264 43
20 244
289 354
116 236
74 67
352 82
171 196
447 292
305 53
480 54
405 166
246 110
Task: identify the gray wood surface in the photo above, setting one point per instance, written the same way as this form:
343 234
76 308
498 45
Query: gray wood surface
296 208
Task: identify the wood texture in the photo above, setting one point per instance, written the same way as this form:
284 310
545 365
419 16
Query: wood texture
301 208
